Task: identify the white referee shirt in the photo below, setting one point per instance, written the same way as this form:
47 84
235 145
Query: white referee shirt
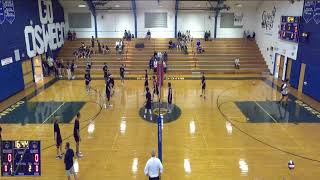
153 167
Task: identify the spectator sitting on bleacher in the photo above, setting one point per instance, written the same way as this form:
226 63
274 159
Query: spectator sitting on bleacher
74 36
69 35
148 36
132 36
170 44
119 46
199 48
237 63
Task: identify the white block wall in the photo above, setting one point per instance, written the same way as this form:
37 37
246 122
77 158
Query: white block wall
266 39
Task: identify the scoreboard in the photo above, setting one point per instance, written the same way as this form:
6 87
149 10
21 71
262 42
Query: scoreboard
289 28
20 158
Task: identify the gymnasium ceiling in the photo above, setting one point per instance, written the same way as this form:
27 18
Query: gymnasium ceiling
105 5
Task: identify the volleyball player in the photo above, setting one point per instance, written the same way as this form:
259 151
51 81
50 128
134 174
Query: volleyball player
57 138
122 71
284 91
155 87
203 86
108 92
148 104
87 78
105 70
76 134
169 98
111 84
146 81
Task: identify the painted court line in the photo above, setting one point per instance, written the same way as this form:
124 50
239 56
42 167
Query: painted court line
266 112
53 113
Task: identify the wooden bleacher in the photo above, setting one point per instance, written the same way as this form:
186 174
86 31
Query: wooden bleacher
218 57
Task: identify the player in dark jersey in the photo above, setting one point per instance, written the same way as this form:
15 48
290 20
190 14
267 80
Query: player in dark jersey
122 71
146 81
87 78
155 87
105 70
148 104
108 92
57 138
111 84
76 134
203 86
169 98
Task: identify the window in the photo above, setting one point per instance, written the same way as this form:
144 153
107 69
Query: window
155 20
79 20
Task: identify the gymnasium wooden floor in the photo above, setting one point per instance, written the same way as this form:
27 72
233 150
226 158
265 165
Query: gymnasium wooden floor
201 144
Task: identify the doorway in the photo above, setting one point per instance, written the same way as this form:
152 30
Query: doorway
280 66
37 68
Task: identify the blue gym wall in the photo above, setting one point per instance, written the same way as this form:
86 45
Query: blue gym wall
309 51
12 37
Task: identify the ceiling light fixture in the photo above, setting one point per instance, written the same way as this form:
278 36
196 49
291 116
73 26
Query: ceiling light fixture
82 5
117 5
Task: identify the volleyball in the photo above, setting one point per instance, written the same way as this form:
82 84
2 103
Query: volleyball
291 165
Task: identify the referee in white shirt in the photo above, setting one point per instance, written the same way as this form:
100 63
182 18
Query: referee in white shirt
153 167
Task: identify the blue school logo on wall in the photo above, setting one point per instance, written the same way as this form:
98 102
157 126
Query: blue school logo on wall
2 17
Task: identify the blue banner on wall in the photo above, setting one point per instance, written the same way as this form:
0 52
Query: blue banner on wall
308 50
27 28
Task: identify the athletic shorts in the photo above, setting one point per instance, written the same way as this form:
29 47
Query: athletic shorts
58 142
70 171
76 138
108 96
148 106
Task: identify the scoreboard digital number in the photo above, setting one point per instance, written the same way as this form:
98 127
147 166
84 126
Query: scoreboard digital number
20 158
289 28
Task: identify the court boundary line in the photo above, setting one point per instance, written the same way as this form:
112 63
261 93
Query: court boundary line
265 111
53 113
253 137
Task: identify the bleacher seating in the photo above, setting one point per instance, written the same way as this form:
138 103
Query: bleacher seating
218 57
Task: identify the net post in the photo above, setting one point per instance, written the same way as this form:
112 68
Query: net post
160 137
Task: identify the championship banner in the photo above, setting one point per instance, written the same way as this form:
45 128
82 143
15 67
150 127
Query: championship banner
2 17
